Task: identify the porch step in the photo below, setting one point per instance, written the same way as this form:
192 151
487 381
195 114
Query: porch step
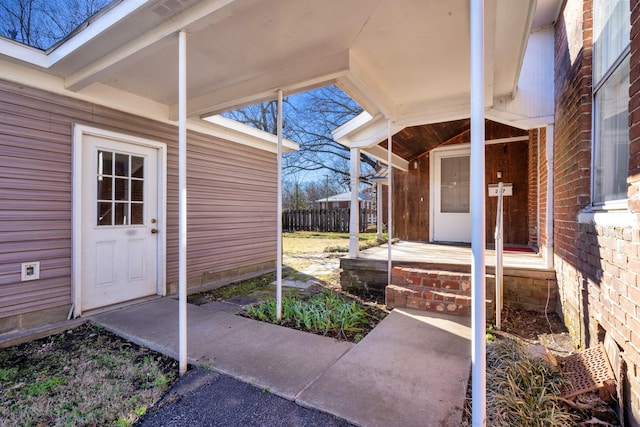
431 290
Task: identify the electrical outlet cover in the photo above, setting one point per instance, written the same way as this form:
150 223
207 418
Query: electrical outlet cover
30 270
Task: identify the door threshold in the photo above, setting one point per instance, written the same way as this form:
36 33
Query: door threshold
120 305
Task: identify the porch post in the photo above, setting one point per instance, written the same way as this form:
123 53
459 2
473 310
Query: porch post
354 217
548 247
379 210
279 213
182 199
478 226
389 200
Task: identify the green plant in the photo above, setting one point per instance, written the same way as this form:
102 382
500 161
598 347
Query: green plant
325 313
40 387
522 390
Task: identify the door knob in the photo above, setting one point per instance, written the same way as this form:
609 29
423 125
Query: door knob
154 231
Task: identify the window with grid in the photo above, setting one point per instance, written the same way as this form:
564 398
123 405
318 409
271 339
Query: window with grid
611 35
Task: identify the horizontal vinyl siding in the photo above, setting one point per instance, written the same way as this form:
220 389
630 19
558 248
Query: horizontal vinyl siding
231 192
231 210
35 202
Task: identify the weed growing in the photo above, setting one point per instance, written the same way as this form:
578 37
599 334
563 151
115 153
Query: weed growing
328 313
244 287
522 390
84 376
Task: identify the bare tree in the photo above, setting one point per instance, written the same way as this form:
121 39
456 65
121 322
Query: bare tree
309 119
43 23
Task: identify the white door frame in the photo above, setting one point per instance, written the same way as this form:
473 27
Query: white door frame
453 151
79 131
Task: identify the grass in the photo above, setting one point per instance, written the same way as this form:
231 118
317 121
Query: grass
241 288
301 242
328 313
84 376
522 390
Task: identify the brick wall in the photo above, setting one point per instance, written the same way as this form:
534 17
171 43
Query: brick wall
533 187
597 256
542 185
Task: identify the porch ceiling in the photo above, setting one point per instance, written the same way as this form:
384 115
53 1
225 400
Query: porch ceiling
414 141
404 59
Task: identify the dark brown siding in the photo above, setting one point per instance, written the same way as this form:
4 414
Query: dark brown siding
411 195
231 191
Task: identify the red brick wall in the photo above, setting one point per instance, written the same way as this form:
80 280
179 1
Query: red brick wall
532 204
597 257
542 201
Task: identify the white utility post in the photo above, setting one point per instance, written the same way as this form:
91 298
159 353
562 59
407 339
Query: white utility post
182 200
478 227
354 217
279 213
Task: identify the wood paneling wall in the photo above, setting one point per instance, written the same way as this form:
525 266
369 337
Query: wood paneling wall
411 195
231 191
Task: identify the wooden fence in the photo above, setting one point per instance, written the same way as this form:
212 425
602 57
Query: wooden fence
336 220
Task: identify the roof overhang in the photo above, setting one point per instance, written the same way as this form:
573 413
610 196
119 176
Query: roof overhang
402 60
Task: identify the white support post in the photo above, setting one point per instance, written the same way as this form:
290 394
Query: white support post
478 226
389 200
499 249
548 247
279 214
182 200
354 217
378 210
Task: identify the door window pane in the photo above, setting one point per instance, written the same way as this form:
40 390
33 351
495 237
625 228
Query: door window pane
454 185
120 189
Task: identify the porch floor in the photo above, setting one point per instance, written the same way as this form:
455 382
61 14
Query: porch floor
445 254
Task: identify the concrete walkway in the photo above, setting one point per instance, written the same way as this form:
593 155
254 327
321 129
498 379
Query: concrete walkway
411 370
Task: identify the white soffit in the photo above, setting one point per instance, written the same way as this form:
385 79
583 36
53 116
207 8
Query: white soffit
405 59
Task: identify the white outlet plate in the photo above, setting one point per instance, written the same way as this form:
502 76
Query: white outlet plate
30 270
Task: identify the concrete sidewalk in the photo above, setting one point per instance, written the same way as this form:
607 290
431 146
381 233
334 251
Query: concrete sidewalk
411 370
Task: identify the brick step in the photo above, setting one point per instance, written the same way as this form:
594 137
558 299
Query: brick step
425 298
433 290
450 280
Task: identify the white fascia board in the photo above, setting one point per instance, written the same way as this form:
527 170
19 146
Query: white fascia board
43 59
20 52
248 134
435 111
517 121
380 153
351 126
107 96
92 72
370 133
96 27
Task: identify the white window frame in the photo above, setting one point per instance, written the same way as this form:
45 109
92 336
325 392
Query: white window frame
598 84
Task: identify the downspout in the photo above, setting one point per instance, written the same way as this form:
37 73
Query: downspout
354 218
182 199
550 199
279 213
478 226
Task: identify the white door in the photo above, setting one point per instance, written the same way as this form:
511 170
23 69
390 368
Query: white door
451 219
119 259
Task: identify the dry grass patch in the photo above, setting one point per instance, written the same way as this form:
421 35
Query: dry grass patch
84 376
